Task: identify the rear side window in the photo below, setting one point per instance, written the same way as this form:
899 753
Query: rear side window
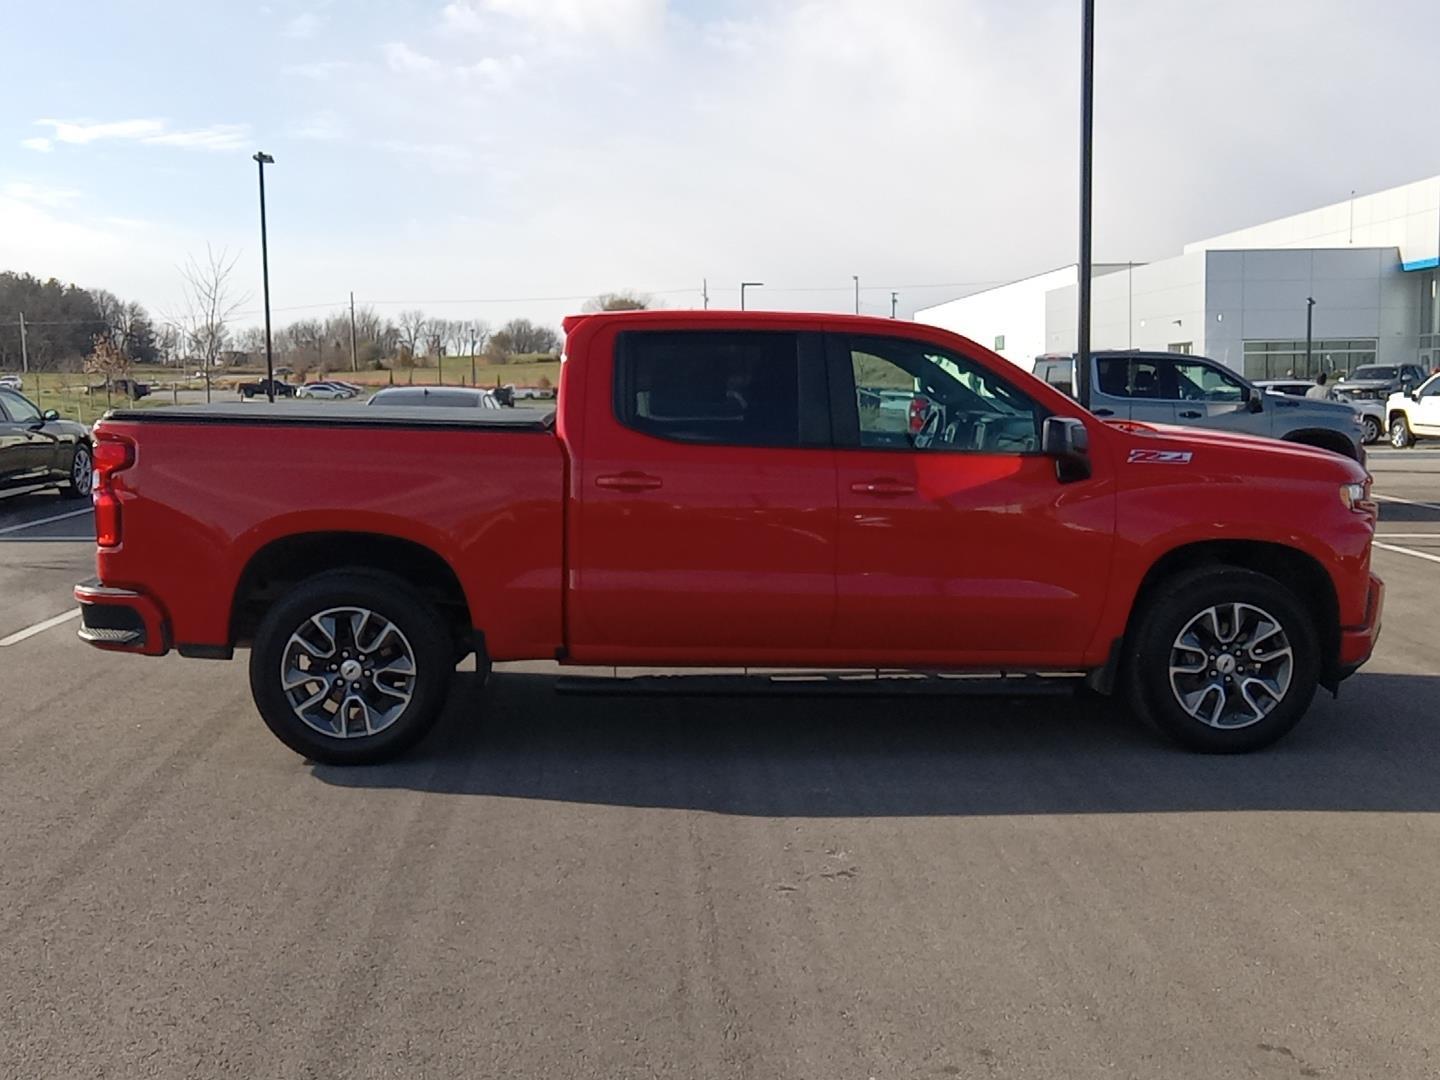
1126 377
737 388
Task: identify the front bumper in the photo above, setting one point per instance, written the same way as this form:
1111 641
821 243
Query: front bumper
1357 643
121 620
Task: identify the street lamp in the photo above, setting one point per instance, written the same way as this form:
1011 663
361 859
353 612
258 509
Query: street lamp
1309 338
747 285
1087 127
856 278
262 159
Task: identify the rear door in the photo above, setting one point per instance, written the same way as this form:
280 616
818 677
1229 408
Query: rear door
703 499
958 545
1130 388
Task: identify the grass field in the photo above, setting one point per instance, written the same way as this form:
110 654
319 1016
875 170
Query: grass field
72 396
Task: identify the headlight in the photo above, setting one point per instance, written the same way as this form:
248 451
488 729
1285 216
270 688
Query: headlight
1356 497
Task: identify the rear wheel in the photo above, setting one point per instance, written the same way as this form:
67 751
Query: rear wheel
1223 660
1400 434
350 668
82 471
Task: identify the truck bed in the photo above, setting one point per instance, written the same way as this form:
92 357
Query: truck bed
344 414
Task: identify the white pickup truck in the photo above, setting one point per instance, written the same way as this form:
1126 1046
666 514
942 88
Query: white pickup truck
1413 416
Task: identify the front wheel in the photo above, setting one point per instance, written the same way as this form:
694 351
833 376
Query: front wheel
350 668
1223 660
1372 430
82 472
1400 435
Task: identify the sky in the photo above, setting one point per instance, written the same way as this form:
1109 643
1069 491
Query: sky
500 158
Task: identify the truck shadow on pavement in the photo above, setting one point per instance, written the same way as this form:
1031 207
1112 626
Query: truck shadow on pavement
1376 749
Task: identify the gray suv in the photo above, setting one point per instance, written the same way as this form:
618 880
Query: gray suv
1194 391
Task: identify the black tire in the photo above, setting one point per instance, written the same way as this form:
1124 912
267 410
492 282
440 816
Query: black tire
1154 640
82 462
422 632
1400 434
1372 431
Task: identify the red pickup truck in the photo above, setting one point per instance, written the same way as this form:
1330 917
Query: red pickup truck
725 489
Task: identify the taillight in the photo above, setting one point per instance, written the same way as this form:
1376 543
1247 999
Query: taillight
111 456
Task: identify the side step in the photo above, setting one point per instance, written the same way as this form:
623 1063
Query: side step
842 684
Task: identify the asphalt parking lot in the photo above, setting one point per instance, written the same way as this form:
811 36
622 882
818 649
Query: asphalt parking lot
557 886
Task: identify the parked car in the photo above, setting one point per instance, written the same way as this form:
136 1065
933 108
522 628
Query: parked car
11 382
1194 391
39 448
1376 382
327 390
261 387
131 388
450 397
1414 415
1372 413
711 493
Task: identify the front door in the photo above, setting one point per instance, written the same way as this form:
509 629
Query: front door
703 499
1426 412
958 545
25 452
1206 395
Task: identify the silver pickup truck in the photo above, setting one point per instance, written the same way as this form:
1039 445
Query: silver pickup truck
1194 391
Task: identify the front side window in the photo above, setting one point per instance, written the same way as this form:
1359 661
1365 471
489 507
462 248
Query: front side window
1202 382
911 395
736 388
20 410
1431 388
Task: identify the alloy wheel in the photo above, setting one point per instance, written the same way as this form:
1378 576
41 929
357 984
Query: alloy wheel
1231 665
348 672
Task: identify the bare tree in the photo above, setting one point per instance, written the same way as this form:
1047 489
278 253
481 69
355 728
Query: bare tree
414 327
624 300
210 305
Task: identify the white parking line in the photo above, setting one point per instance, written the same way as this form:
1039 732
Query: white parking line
45 521
1407 502
41 627
1383 547
1408 536
15 493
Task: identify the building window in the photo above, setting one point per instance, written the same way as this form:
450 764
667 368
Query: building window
1184 348
1286 359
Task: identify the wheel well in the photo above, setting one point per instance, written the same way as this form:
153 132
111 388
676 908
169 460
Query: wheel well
285 562
1297 571
1396 414
1324 439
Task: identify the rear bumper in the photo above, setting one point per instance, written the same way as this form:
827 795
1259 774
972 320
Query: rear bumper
1357 643
121 620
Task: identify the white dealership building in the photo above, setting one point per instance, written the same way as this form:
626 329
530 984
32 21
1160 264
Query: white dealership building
1369 264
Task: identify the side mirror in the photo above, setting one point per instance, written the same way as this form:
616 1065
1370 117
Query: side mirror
1254 400
49 414
1066 440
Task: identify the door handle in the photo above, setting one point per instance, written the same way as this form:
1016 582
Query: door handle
628 481
1190 414
1104 412
882 487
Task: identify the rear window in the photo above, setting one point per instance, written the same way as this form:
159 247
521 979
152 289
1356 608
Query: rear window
740 388
1059 374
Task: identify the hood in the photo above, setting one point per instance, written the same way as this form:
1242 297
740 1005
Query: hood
1366 384
1226 452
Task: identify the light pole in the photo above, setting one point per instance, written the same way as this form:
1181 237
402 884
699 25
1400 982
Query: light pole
1087 127
261 160
894 299
747 285
1309 338
856 278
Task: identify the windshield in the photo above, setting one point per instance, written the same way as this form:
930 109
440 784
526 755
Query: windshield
1375 372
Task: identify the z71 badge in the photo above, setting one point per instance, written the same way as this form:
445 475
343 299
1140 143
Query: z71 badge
1159 457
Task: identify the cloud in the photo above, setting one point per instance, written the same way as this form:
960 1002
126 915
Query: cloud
37 195
151 132
302 26
625 21
495 71
323 126
39 143
403 60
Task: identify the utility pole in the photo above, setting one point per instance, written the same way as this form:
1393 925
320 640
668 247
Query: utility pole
1129 305
474 340
354 364
24 352
1087 127
705 294
747 285
894 300
856 279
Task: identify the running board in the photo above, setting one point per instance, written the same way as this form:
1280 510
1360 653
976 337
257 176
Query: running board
847 684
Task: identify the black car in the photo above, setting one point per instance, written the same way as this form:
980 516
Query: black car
262 387
1376 382
40 448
